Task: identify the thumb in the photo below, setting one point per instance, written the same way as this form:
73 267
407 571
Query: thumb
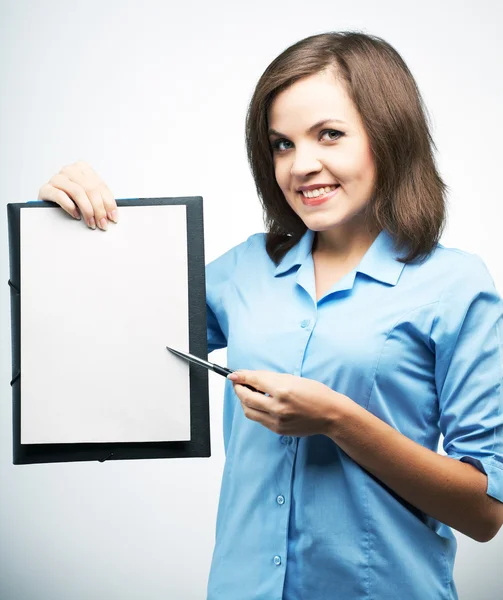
249 379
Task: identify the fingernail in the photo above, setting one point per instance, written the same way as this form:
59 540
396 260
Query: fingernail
115 216
233 376
92 223
76 214
103 224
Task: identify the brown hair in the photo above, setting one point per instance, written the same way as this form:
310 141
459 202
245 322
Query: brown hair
409 195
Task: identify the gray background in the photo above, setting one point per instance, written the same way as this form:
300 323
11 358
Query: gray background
153 95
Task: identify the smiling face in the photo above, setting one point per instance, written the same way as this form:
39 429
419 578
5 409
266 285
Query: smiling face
321 153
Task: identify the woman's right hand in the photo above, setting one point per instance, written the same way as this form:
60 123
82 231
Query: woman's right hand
78 188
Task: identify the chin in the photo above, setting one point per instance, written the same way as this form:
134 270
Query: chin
331 219
320 223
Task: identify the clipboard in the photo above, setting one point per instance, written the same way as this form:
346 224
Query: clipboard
189 437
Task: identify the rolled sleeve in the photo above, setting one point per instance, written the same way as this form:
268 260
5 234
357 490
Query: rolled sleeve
467 337
494 474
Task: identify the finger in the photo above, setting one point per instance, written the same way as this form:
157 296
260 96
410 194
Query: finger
53 194
110 203
93 180
83 175
253 379
97 201
259 416
78 195
251 399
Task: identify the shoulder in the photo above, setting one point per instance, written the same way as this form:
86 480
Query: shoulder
466 292
249 251
451 270
458 269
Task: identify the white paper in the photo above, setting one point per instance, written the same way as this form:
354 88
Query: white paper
98 309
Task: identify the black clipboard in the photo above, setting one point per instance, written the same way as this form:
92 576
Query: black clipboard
199 443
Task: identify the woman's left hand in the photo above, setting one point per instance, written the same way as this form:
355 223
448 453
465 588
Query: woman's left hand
293 405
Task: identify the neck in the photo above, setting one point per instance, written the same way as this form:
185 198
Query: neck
344 243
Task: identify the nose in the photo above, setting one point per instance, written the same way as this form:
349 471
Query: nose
305 162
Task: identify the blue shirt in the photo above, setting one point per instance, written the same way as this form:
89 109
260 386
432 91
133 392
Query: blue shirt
417 345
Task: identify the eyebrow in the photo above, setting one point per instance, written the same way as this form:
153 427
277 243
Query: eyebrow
311 129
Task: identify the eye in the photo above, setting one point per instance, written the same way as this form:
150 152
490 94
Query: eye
281 144
333 134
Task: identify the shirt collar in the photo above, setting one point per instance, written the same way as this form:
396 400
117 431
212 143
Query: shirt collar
296 255
379 262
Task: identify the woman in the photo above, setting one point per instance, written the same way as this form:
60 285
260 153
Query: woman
369 338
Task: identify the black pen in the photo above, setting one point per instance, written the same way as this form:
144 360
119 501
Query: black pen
204 363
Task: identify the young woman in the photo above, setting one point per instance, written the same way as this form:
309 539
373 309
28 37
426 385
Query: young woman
369 338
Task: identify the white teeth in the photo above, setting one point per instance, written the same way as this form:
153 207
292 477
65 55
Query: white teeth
319 191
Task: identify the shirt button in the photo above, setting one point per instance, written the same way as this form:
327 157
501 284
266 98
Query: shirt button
280 499
304 323
277 560
284 439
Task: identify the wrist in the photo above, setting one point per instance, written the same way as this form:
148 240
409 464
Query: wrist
340 411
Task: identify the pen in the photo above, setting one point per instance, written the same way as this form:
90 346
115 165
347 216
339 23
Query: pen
204 363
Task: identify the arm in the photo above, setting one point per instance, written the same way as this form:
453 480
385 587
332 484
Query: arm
465 337
450 491
447 489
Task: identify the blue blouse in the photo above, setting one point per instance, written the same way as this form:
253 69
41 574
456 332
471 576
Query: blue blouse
417 345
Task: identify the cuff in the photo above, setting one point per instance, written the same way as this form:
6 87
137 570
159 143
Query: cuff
494 473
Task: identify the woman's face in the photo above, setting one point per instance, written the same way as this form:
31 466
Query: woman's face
319 143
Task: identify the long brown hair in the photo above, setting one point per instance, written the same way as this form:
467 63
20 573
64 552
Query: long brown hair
409 195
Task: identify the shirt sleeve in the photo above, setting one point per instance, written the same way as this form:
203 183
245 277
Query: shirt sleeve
467 336
219 277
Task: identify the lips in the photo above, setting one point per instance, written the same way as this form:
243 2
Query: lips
319 199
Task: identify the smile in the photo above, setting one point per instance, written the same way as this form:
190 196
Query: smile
316 197
319 192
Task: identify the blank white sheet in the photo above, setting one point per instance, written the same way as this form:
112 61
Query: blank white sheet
98 309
